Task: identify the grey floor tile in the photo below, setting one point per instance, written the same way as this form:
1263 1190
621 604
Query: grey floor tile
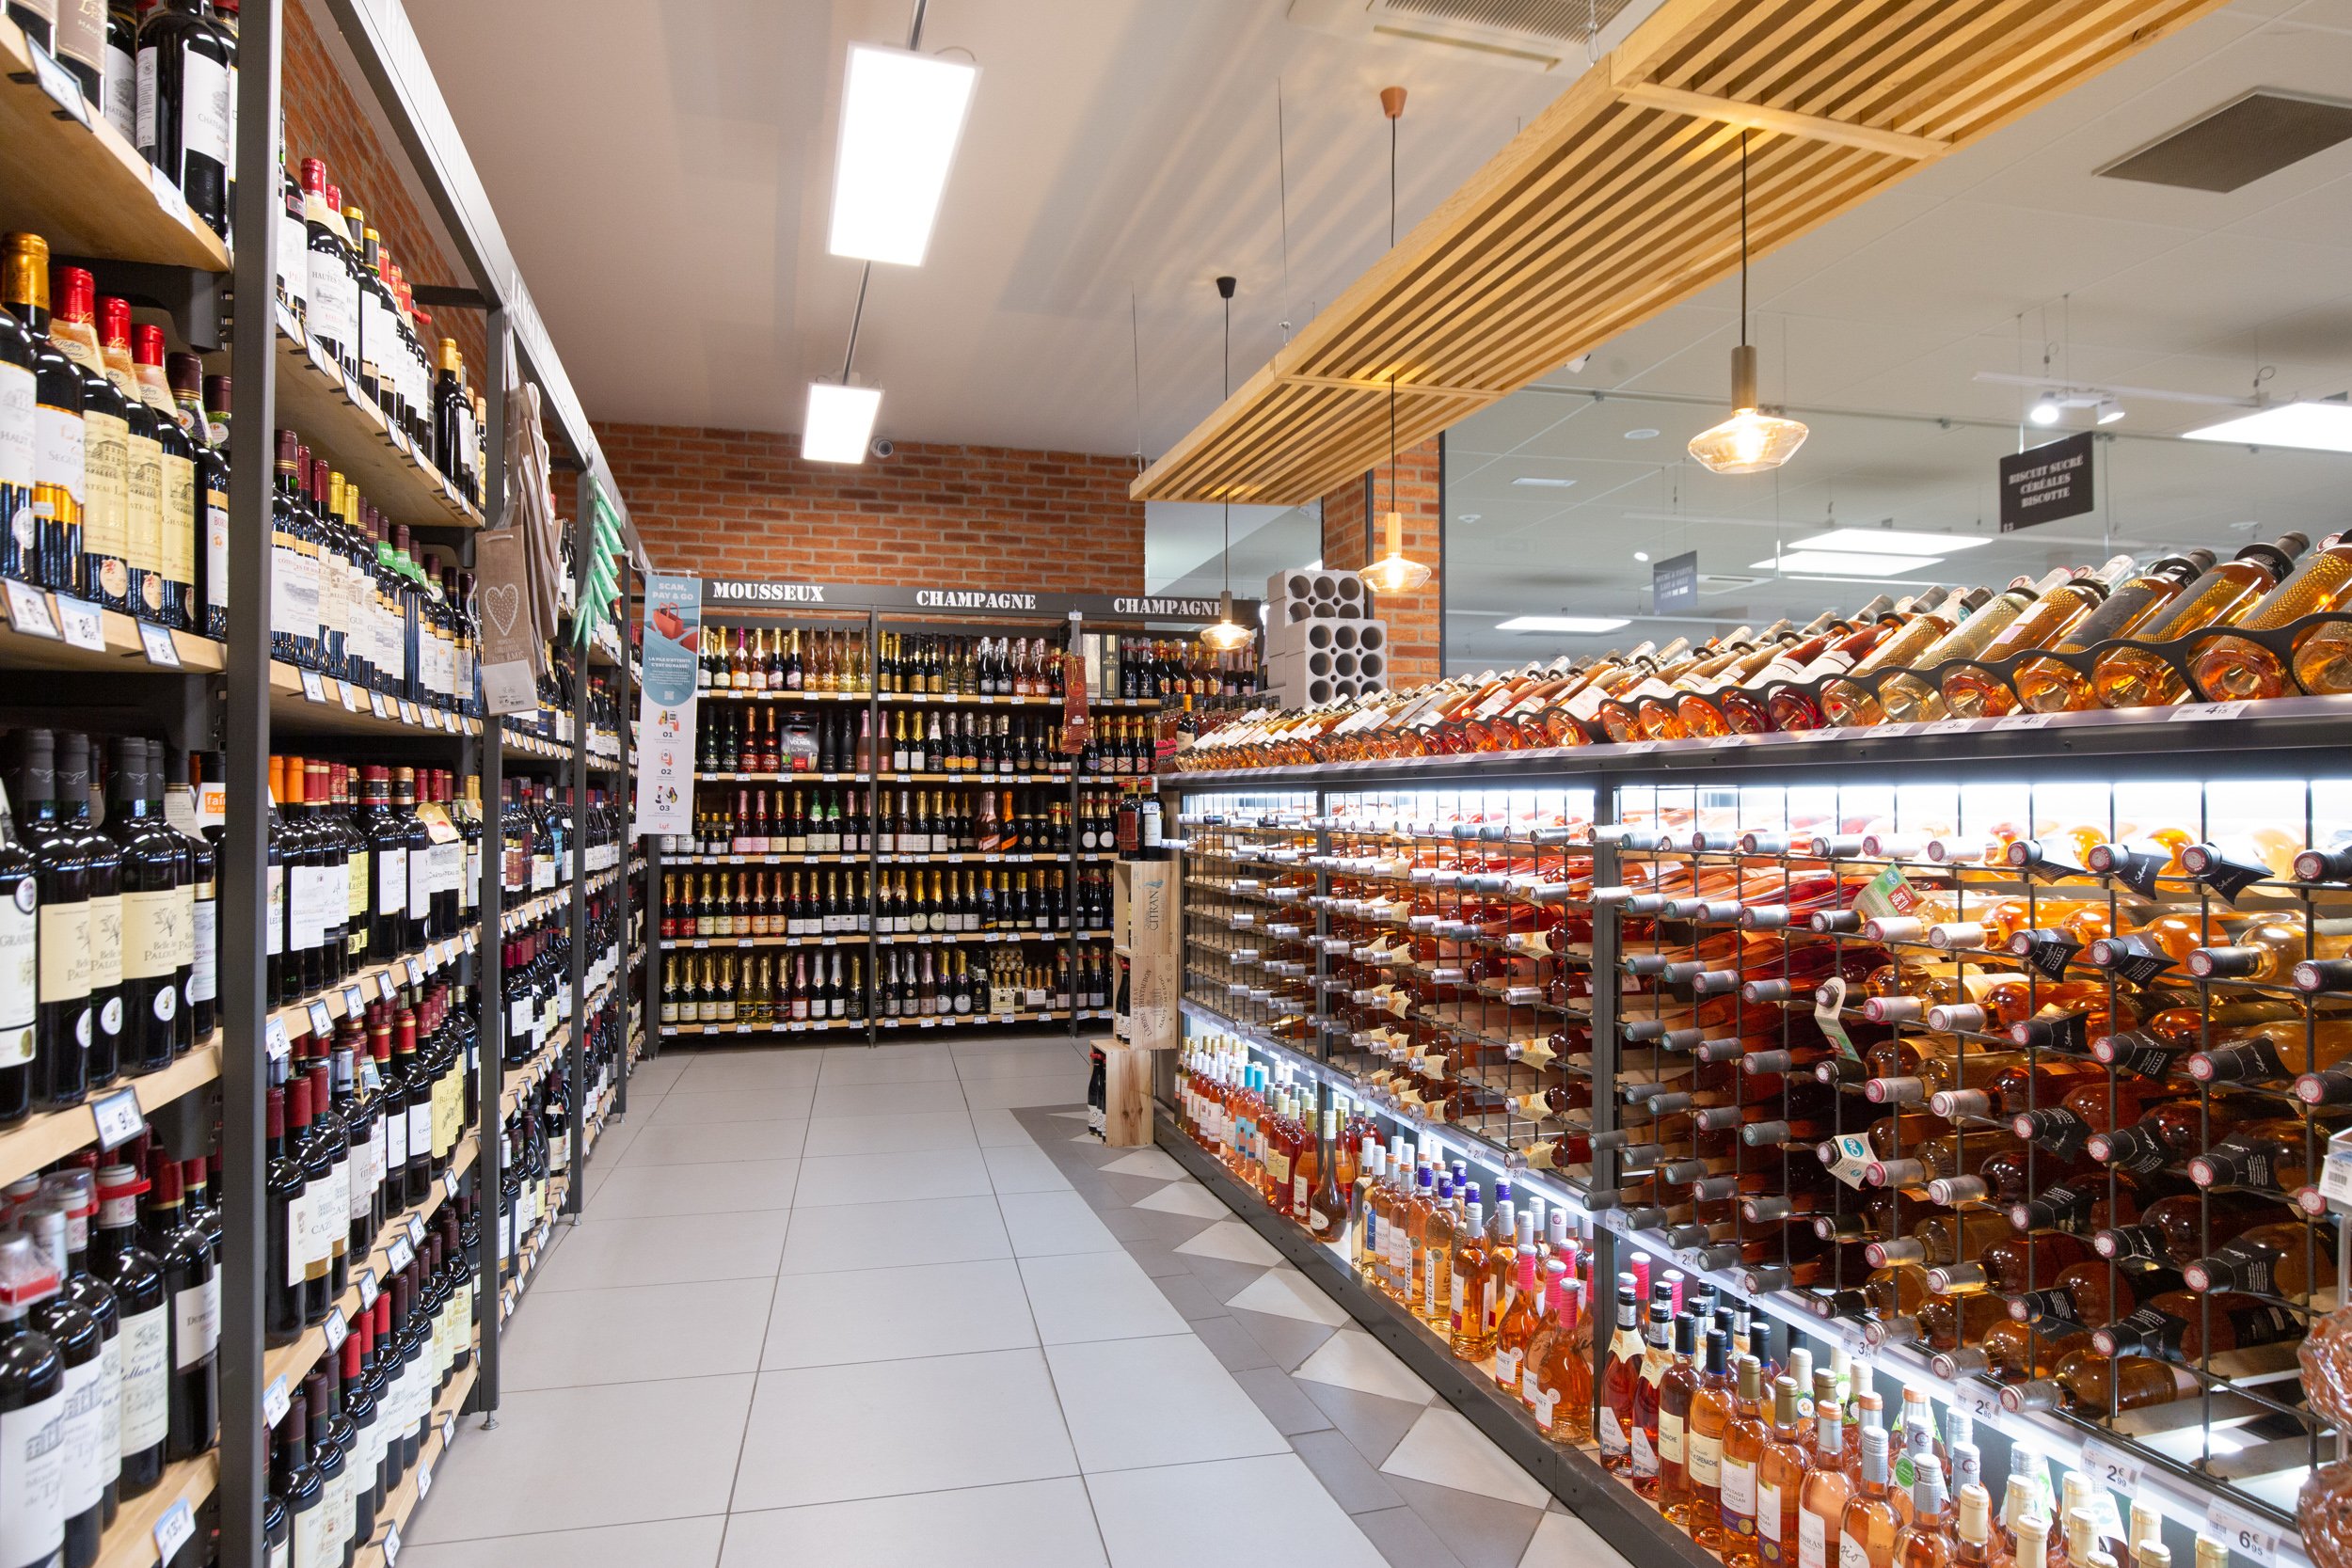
887 1063
1373 1423
1563 1541
1405 1540
600 1253
1095 1295
1037 1523
1484 1533
997 1128
898 1134
1156 1518
1219 1278
1059 1088
659 1143
632 1334
1169 1231
1158 1261
611 1454
1042 1224
1127 1188
673 1543
929 1173
1137 1402
1279 1400
696 1109
1352 1483
1287 1340
878 1235
893 1314
1020 1061
645 1191
886 1100
1230 1344
833 1433
790 1068
1186 1295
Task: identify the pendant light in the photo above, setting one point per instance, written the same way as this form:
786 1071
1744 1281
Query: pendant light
1394 572
1227 634
1751 441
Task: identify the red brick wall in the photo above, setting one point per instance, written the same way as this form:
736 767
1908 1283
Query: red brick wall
1416 621
742 502
324 120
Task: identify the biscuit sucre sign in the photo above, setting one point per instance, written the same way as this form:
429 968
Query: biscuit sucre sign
2046 483
742 593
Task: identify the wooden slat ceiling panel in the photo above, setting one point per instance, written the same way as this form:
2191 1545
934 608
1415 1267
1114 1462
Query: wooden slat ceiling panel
1621 199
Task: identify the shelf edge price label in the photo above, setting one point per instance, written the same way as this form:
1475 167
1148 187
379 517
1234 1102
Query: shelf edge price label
399 1253
2187 711
276 1401
424 1479
275 1037
313 687
2110 1467
118 1118
83 624
175 1530
391 1546
355 1002
28 610
449 1180
2249 1534
369 1290
416 1231
162 651
322 1020
59 84
351 697
336 1330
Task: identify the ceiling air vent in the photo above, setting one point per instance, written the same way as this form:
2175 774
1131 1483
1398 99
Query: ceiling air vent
1524 35
2239 142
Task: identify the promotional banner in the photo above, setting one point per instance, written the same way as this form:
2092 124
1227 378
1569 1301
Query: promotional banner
665 705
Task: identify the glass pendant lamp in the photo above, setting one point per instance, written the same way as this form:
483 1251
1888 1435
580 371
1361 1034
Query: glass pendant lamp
1751 441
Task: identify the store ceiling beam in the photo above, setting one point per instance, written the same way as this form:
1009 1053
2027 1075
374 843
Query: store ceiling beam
1621 199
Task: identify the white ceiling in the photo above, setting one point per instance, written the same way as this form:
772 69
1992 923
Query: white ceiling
664 176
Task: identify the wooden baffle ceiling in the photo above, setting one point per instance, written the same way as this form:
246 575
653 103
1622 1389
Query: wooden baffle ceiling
1622 199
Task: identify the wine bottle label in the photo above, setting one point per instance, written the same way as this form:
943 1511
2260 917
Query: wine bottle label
19 421
19 977
84 1472
195 1323
1812 1539
1673 1442
1612 1432
1508 1367
151 936
1706 1460
1767 1522
204 111
1739 1487
32 1480
1644 1457
65 951
145 1413
1851 1553
60 453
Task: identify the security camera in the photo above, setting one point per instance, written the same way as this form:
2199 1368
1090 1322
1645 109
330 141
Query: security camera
884 446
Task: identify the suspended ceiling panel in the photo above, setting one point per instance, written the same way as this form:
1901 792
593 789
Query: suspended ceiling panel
1623 198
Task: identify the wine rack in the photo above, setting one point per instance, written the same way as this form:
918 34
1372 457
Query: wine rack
2069 999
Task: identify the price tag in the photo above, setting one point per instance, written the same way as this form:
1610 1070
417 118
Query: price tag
449 1430
336 1330
449 1184
1981 1401
391 1548
2248 1535
1613 1220
2110 1467
377 705
1890 731
84 624
313 687
355 1002
424 1479
2335 1178
368 1291
275 1401
28 610
274 1036
416 972
416 1231
162 651
1948 726
408 713
2205 711
118 1118
2023 721
63 87
350 695
175 1530
400 1255
322 1020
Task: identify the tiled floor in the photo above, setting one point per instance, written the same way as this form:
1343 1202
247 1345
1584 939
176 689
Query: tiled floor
892 1306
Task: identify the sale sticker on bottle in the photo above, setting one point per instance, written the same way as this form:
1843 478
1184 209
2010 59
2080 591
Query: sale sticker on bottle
118 1118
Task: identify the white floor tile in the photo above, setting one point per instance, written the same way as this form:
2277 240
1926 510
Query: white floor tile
1024 1170
889 1063
1096 1296
640 1192
1564 1540
611 1454
636 1334
1070 1116
1233 1242
882 1428
1195 1513
681 1143
998 1128
1023 1061
887 1100
1036 1524
1286 1292
674 1249
869 1235
1061 1088
1353 1359
1444 1449
785 1067
891 1314
1185 1197
890 1135
673 1543
1042 1224
1136 1403
866 1177
684 1108
1146 1162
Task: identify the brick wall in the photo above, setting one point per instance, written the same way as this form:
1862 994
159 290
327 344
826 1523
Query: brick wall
742 502
324 119
1416 621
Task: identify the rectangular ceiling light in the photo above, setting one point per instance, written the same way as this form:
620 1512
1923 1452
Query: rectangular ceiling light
901 115
1561 623
1890 541
1545 483
2315 426
1842 564
841 422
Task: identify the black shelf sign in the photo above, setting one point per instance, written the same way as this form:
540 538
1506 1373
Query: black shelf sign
2046 483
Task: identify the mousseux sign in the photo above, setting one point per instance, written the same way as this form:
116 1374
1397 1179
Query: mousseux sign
732 593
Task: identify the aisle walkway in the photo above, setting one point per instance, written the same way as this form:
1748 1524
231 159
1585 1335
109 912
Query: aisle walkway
893 1308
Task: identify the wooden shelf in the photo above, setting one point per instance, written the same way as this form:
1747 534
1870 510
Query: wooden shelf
45 1138
124 653
130 1541
431 959
337 420
346 709
82 187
